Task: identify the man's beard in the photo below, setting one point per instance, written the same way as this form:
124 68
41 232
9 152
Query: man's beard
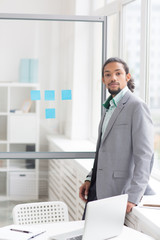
114 92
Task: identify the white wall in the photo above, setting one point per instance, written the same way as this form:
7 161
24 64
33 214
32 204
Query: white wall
12 47
37 6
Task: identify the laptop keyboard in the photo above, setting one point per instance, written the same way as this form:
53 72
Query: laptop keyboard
75 238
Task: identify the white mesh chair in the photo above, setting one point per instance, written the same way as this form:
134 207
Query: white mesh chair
40 213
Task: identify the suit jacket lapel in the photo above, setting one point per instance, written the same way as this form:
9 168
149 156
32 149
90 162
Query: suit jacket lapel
115 114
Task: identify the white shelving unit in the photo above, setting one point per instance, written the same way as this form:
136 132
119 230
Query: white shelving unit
19 131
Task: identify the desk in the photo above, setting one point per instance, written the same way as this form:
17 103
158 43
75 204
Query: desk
145 220
55 229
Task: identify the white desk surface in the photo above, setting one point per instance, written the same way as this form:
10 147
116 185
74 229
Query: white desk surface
55 229
150 217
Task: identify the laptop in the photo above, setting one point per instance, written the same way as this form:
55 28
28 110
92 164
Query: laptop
104 219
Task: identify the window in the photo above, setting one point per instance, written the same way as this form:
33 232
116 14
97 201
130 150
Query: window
131 39
137 56
112 35
154 76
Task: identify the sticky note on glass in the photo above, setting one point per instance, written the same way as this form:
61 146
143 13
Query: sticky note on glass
49 95
66 94
35 95
50 113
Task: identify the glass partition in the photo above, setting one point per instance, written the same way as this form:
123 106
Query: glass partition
58 180
50 85
50 107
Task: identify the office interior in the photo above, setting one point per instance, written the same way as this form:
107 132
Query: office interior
51 91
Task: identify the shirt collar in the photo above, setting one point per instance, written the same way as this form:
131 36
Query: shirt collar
114 101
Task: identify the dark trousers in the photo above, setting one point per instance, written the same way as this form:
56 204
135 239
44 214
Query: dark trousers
91 197
92 190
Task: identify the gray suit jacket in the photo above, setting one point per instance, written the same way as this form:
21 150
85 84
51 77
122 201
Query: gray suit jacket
125 155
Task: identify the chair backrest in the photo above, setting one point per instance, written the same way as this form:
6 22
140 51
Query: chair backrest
40 212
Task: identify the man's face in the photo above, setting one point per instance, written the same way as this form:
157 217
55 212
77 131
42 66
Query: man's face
115 77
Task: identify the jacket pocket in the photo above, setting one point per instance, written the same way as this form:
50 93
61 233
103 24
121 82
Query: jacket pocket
120 125
120 174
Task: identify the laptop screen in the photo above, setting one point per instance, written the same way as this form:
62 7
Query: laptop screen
104 219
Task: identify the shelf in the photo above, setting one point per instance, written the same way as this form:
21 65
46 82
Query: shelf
2 197
3 141
18 133
18 84
3 165
22 114
19 143
3 128
3 113
22 129
3 182
18 169
3 100
3 169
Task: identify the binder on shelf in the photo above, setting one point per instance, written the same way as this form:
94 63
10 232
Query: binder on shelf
24 70
30 163
28 72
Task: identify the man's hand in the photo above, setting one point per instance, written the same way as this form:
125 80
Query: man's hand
83 190
130 206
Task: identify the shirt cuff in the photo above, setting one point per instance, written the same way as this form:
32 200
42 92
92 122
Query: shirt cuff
88 178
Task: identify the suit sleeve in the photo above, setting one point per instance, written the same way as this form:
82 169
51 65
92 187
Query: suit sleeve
142 144
89 176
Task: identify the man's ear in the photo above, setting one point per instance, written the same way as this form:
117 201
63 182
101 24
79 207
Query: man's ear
128 77
103 79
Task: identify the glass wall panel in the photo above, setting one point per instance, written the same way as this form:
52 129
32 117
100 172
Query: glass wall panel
131 39
56 180
50 93
154 83
50 100
50 85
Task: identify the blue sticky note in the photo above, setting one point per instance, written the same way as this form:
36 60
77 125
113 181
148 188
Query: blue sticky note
50 113
35 95
49 95
66 94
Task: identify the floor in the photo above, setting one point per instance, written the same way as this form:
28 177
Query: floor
6 208
6 212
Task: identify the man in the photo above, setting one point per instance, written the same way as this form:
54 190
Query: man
124 152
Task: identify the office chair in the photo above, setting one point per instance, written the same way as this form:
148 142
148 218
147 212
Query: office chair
40 212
